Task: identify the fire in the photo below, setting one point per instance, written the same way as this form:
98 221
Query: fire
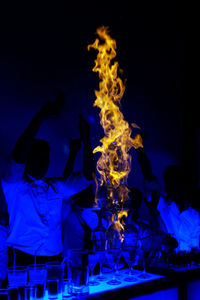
115 161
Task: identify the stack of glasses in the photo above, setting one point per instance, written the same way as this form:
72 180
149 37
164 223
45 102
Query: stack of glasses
35 282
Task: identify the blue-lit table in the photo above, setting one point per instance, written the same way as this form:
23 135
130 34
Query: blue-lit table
105 290
142 289
170 284
162 284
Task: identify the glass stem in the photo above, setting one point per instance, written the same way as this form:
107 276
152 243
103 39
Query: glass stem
144 266
130 268
114 273
116 268
100 273
92 275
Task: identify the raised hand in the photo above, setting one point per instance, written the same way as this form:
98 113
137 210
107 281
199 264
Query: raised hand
51 109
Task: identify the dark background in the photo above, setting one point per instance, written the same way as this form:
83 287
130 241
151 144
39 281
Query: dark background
44 47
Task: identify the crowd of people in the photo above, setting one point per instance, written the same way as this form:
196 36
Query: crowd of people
44 217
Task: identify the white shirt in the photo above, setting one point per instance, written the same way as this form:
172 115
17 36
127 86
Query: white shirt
34 208
184 226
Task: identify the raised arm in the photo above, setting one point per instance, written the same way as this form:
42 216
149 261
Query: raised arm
145 165
48 111
74 147
88 157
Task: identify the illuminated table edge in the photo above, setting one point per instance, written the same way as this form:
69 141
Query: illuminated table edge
106 290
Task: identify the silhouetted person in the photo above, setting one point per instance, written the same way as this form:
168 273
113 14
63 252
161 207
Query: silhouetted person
77 218
181 220
144 199
152 234
140 161
78 221
34 201
148 184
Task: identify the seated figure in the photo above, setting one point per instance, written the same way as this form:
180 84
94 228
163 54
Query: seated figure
181 219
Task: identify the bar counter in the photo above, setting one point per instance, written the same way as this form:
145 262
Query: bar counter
163 284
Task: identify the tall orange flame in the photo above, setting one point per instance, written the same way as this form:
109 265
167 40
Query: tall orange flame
114 162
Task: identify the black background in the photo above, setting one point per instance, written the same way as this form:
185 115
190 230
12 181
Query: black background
44 47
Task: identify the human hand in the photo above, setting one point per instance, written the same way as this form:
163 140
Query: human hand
84 128
51 109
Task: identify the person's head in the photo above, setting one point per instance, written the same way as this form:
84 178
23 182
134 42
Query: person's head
37 162
176 184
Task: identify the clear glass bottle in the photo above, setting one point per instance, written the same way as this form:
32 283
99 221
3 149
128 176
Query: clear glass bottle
99 233
115 234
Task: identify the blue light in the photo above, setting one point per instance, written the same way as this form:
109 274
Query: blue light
91 119
66 149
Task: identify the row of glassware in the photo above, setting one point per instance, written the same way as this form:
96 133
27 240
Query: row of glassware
72 276
34 282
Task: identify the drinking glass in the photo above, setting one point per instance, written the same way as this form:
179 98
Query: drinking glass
13 293
21 292
144 274
101 259
114 235
56 269
53 288
129 253
3 294
130 235
146 243
37 273
78 272
66 289
30 292
17 276
37 279
93 259
113 256
99 233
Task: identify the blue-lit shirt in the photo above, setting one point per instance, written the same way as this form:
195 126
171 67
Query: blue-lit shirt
3 252
183 226
34 208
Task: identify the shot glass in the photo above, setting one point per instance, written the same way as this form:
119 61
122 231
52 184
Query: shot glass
30 292
13 293
56 270
3 294
78 272
17 276
53 288
37 279
66 290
